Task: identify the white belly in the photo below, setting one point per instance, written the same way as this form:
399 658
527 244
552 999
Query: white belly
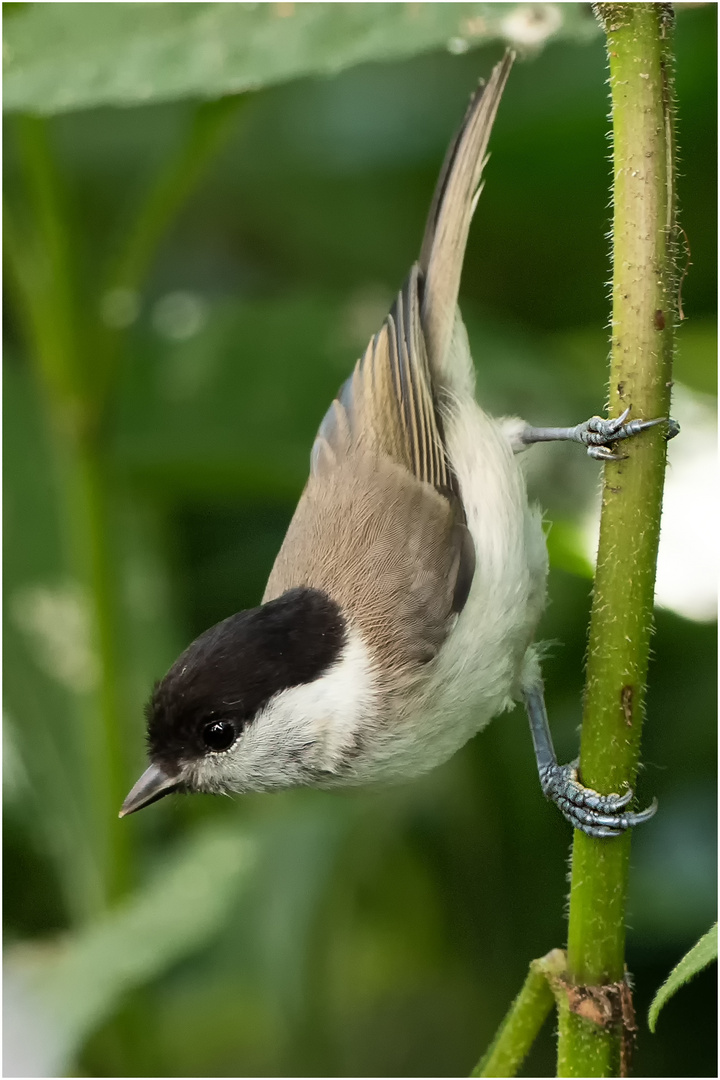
488 655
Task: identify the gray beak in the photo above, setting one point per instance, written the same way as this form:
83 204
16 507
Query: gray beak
152 785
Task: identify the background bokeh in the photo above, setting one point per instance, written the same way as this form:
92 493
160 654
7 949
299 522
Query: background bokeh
187 285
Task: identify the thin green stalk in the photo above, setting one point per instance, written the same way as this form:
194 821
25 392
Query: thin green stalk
170 189
638 41
525 1017
75 362
43 271
75 365
210 125
88 501
46 278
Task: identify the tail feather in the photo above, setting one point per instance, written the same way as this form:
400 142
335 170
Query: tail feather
451 211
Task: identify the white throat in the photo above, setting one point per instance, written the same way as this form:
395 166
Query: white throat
302 732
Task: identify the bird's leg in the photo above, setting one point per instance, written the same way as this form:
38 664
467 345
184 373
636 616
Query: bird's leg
587 810
597 434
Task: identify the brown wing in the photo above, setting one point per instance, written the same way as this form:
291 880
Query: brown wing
387 405
380 526
389 548
448 224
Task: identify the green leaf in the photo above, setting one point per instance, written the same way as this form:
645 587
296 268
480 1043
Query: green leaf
59 57
250 895
51 658
78 982
49 662
701 954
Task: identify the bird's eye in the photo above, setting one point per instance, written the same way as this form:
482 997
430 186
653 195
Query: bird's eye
219 735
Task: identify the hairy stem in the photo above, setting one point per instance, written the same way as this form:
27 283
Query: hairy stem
524 1018
638 42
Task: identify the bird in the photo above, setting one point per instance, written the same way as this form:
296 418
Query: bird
400 615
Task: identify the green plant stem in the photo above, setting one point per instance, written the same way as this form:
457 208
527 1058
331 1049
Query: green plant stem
621 621
76 379
88 500
43 271
46 282
75 361
210 125
524 1018
170 190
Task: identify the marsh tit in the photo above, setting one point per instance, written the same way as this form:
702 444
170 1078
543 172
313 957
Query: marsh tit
399 616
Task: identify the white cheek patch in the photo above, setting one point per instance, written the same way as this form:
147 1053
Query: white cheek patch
329 712
312 727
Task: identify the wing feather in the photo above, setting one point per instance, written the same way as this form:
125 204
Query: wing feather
387 405
380 525
448 224
389 549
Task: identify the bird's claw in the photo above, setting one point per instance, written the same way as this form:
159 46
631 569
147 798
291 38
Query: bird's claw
602 453
587 810
599 434
673 429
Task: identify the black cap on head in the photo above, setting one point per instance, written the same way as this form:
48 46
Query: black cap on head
225 677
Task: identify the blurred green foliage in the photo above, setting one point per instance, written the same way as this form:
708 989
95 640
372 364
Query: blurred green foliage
171 51
188 286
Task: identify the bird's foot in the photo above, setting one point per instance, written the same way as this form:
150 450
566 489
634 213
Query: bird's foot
599 435
587 810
